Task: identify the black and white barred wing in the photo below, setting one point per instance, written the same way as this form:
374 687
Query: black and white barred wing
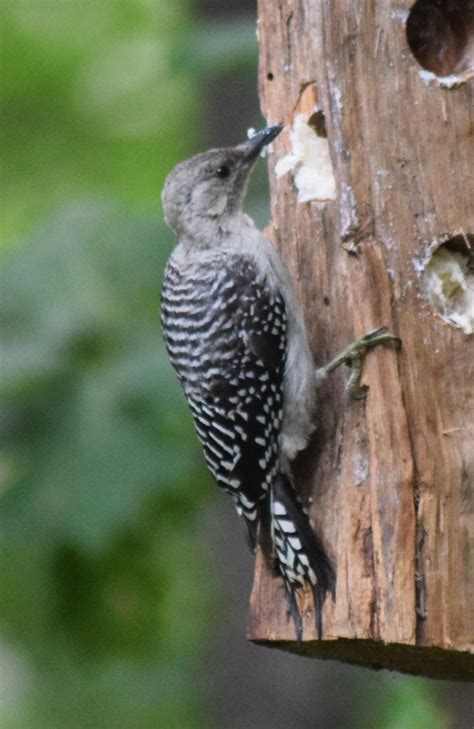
225 332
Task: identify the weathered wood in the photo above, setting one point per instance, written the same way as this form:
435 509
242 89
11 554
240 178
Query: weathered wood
389 477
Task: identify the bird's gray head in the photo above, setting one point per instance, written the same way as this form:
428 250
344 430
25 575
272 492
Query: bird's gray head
201 194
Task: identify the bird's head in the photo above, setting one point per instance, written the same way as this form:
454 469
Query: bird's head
205 190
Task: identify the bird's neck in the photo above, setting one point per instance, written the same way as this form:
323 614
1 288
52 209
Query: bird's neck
227 231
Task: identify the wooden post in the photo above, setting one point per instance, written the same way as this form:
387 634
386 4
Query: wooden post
389 477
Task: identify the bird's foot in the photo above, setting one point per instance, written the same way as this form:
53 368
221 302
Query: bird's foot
354 356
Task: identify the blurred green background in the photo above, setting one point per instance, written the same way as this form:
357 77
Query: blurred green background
124 576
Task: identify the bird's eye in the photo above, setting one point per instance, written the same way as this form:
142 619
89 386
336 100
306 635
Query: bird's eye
223 171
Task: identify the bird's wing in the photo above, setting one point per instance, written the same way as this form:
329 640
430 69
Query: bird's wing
231 364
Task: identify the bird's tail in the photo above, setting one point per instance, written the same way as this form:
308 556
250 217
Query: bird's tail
299 555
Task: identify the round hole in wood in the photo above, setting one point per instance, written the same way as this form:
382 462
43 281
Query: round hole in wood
440 34
449 281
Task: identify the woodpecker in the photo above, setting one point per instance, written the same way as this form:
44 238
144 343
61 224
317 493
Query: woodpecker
236 338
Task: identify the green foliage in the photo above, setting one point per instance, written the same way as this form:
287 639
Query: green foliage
99 563
92 99
412 704
103 98
391 701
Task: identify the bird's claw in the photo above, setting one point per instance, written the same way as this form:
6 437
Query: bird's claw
354 356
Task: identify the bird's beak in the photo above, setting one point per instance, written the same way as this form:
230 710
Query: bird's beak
260 140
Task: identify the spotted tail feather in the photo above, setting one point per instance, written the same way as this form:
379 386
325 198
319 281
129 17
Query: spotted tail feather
299 555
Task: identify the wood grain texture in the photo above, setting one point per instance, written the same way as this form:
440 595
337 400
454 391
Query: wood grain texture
390 477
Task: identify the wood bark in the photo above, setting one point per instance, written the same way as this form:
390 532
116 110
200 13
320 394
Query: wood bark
389 477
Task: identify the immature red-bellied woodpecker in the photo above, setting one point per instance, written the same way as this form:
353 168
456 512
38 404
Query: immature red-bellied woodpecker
236 338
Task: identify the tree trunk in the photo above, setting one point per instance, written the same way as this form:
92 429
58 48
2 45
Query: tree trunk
389 476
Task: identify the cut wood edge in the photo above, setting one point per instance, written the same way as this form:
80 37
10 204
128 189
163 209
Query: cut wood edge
427 661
